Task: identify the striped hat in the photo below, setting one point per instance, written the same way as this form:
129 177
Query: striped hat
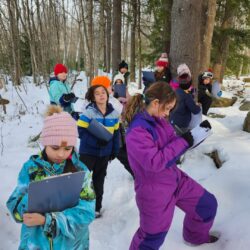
162 61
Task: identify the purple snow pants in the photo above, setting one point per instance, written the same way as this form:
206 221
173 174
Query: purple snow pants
156 205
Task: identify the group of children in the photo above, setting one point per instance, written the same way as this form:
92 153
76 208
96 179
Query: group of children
141 138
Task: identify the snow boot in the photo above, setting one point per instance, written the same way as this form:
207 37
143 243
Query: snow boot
214 237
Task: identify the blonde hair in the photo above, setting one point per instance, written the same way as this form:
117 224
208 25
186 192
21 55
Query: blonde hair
52 109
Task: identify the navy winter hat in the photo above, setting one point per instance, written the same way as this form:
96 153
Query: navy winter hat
123 64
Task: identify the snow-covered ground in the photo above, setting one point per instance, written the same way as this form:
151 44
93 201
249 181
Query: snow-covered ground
230 184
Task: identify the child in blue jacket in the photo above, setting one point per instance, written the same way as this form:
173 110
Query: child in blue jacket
94 151
59 89
63 230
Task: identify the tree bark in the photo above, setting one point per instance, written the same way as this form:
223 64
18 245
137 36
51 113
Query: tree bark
223 45
139 45
208 15
185 35
126 34
116 35
108 34
102 38
90 38
133 38
41 35
65 31
14 31
167 5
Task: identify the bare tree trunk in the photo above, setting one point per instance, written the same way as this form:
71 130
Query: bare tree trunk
108 35
30 29
14 31
116 35
167 5
105 51
223 49
88 36
47 39
240 68
77 58
139 43
185 35
41 37
64 33
56 28
102 43
208 15
133 43
80 37
126 33
91 38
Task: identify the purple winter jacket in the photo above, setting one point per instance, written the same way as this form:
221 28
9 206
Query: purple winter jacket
153 148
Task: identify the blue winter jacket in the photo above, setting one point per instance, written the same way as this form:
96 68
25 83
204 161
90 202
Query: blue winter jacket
90 144
181 115
56 91
62 230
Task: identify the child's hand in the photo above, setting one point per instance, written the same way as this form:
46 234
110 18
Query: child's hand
33 219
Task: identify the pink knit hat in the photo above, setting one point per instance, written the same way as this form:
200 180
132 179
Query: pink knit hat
183 69
59 128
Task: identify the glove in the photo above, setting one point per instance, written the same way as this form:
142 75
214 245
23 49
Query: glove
69 97
112 157
206 124
75 115
188 138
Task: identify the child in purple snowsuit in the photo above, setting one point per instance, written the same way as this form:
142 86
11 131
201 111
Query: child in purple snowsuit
160 185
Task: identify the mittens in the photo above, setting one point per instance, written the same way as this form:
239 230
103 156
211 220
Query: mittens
69 97
188 138
75 115
206 124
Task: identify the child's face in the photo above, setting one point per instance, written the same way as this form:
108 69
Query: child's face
207 81
100 96
119 81
58 154
161 110
123 70
159 68
62 76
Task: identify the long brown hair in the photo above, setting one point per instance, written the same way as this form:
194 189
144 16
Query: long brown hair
159 90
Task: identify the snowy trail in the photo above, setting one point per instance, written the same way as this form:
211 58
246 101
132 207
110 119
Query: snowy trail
114 231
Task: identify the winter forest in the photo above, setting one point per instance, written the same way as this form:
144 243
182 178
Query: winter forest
124 124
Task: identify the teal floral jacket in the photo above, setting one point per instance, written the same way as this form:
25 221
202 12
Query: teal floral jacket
66 230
